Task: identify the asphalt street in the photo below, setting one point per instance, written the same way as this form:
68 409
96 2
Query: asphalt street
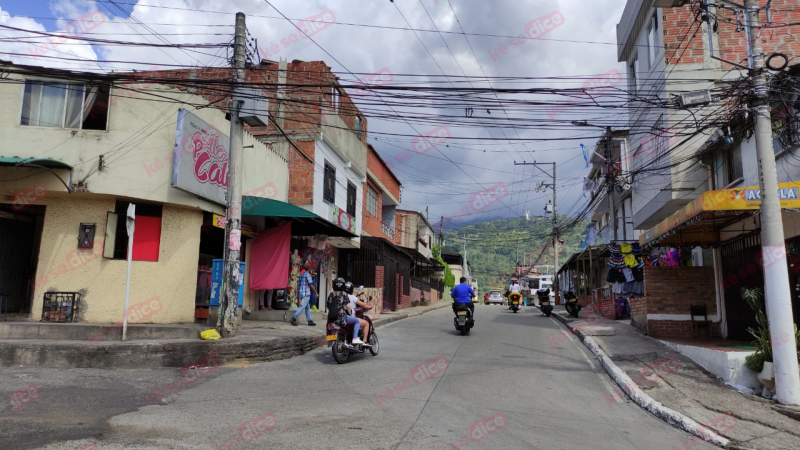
503 386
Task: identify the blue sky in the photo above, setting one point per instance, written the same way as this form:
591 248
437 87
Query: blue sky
43 8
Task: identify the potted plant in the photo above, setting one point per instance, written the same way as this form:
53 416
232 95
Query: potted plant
760 361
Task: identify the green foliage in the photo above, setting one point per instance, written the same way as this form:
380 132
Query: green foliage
755 362
492 249
754 297
448 277
763 343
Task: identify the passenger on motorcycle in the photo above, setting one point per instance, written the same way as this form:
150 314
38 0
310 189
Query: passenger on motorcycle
512 288
337 304
463 293
354 301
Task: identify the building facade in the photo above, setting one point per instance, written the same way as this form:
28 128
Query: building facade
78 149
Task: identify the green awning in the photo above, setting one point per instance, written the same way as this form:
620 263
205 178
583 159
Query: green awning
306 223
44 162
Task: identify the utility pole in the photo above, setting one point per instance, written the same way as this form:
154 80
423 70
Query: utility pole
776 280
232 274
555 216
611 180
464 272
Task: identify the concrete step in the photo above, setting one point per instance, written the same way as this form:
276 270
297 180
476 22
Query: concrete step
96 332
277 316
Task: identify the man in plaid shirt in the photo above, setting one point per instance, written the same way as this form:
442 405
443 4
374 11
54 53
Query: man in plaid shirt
304 288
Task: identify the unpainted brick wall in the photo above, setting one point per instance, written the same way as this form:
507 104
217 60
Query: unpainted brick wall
679 329
683 41
379 277
671 290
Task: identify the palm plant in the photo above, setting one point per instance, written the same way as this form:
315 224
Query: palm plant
755 362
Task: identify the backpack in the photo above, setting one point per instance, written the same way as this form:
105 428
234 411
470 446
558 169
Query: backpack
336 304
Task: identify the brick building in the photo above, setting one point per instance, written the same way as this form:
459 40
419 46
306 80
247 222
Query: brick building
667 52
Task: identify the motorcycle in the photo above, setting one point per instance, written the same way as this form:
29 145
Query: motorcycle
544 301
463 320
572 306
340 339
515 299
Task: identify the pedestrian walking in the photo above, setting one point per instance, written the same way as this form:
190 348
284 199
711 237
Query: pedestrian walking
305 287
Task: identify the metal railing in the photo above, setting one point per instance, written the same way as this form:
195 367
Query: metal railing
387 230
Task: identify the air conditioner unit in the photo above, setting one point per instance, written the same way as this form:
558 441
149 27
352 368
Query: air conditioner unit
255 108
670 3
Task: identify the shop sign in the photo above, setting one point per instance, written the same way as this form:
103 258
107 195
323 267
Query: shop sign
344 220
247 230
200 158
748 198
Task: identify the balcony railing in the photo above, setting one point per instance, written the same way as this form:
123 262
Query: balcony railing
387 230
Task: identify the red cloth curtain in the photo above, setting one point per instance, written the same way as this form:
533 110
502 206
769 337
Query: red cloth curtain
269 258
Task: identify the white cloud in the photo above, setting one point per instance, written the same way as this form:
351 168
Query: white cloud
367 50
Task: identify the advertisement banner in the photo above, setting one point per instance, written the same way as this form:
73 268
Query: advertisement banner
200 158
344 220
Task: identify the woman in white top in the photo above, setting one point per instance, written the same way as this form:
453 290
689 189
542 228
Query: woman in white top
354 302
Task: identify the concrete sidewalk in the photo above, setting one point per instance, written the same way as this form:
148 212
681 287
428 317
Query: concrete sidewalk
255 340
680 385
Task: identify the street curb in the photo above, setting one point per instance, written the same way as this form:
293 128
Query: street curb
646 402
150 355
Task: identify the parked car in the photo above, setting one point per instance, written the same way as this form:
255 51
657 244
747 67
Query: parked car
496 297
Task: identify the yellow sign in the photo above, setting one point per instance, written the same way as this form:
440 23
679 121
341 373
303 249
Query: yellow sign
739 199
247 230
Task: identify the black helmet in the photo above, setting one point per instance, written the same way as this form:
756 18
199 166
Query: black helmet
348 287
338 284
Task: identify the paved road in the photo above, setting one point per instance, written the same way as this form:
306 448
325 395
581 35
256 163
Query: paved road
504 386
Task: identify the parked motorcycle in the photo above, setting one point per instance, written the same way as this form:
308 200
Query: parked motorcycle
572 305
463 320
544 301
340 339
515 299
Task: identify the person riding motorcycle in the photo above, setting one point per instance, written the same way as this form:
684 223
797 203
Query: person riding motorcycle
463 293
337 304
514 287
354 301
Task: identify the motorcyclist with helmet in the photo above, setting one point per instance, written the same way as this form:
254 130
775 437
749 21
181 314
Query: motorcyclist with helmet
514 287
338 304
353 303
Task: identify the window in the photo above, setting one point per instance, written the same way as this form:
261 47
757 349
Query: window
734 164
633 69
335 94
728 167
146 235
652 28
372 202
329 184
351 199
62 105
358 127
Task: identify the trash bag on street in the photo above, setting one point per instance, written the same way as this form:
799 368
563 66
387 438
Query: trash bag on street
209 335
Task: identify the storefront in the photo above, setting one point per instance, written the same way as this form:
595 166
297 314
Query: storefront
727 223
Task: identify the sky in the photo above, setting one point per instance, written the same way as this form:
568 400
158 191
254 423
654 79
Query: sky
450 179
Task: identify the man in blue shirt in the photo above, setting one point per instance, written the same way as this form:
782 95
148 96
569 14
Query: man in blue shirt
463 293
